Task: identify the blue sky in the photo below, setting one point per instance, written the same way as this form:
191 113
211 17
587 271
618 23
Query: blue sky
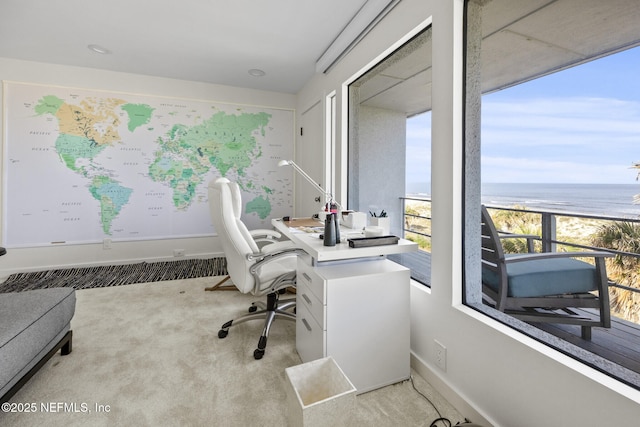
580 125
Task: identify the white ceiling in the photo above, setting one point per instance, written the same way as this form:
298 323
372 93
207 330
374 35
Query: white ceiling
214 41
218 41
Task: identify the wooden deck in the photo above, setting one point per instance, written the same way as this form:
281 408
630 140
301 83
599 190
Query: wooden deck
620 344
419 262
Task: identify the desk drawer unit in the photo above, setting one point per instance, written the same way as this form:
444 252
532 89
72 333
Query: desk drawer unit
305 297
310 336
308 275
358 313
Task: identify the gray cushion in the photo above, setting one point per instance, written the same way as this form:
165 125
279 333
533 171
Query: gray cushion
31 323
544 277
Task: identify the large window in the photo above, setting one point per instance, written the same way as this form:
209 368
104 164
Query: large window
551 148
389 126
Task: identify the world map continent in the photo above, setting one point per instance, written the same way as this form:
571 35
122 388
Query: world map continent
85 130
222 142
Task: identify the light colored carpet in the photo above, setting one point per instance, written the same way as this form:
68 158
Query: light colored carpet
150 353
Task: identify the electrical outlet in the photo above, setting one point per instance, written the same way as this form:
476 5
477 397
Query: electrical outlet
440 355
178 252
106 244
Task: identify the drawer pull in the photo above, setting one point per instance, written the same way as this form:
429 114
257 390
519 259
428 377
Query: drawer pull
306 277
306 298
306 324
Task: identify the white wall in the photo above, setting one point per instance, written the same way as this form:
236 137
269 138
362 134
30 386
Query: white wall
377 172
31 259
493 374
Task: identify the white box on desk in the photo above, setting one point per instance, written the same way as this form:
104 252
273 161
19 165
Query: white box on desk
354 220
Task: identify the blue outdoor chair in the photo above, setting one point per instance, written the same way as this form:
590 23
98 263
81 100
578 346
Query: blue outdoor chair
544 287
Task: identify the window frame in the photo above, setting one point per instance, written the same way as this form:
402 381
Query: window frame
471 201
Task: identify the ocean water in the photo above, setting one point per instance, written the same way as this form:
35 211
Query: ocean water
614 200
611 200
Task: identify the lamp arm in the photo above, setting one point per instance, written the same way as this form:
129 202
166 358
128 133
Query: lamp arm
328 196
311 181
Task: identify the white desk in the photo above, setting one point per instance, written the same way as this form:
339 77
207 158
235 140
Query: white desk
353 305
314 246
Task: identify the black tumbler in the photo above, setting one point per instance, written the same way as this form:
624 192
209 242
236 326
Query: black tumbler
329 230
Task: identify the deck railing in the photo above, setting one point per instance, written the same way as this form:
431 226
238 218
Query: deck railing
417 222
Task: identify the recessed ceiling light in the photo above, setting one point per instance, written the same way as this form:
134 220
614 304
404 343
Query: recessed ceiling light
255 72
99 49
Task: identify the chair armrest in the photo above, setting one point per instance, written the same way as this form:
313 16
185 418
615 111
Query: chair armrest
264 234
278 247
549 255
279 275
285 249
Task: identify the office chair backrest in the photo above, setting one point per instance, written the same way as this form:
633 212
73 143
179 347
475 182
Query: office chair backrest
236 202
236 197
234 236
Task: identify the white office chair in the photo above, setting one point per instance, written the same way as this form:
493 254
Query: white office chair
261 236
260 272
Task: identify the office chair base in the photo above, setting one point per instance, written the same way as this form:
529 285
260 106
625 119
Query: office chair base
259 352
273 310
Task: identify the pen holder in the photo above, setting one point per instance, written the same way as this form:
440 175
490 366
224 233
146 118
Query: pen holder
383 222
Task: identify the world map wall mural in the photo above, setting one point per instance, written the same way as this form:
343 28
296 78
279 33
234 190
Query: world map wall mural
84 165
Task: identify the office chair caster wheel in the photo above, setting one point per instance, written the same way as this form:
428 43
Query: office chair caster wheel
253 309
257 354
222 333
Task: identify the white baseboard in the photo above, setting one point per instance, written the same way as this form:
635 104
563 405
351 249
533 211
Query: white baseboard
449 393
